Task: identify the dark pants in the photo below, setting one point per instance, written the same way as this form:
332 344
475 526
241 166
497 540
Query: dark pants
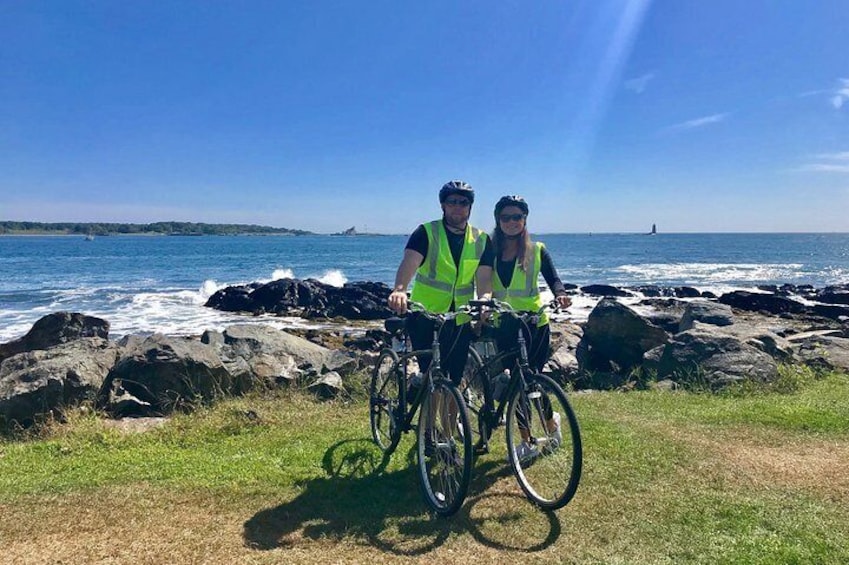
537 340
454 343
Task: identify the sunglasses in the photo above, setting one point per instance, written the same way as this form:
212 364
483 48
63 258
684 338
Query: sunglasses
458 202
511 217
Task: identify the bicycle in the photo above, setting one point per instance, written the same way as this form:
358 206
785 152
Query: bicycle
443 433
543 438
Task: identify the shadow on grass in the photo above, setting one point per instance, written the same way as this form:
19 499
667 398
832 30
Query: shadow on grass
360 500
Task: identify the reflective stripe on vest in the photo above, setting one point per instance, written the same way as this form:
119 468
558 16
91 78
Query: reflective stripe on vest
438 282
523 292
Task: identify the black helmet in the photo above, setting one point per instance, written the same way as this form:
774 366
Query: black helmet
512 200
456 187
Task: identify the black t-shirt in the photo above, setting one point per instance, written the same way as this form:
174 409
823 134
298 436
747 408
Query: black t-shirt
418 242
504 272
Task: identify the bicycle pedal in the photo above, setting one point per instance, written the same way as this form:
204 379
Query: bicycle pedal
481 448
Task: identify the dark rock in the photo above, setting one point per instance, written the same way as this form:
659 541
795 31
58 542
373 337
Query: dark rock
616 334
122 404
328 385
651 290
705 356
56 328
257 353
36 382
825 352
604 290
308 298
232 299
341 362
170 372
833 295
755 302
706 312
686 292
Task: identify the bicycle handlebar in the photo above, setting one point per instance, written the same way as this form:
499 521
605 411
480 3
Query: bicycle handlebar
418 308
478 307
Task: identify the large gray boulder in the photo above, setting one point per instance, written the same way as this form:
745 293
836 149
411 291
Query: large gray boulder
54 329
615 334
565 339
262 354
36 382
824 351
705 355
169 372
714 313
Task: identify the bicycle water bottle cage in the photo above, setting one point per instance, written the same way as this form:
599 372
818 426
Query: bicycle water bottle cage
394 326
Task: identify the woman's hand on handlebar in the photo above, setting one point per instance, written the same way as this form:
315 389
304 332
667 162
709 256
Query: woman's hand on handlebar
563 301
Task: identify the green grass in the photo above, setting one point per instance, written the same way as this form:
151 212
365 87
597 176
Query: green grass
669 477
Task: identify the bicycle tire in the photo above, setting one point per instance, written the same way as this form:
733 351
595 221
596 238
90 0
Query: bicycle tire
444 451
551 470
385 407
475 393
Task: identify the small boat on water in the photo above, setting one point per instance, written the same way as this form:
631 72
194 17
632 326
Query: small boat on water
89 236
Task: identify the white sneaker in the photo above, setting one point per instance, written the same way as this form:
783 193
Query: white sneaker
557 434
526 452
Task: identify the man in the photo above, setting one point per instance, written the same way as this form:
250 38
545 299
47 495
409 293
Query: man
447 257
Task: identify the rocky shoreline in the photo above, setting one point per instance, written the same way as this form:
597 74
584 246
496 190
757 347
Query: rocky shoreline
674 336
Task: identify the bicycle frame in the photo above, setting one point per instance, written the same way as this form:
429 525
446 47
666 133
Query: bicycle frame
406 419
494 410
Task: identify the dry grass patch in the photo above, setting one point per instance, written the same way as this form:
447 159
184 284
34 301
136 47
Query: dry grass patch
816 465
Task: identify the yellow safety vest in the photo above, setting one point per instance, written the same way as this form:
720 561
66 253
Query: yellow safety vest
523 292
438 281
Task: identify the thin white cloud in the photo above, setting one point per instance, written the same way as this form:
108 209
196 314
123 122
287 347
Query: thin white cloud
698 122
638 84
841 95
839 156
827 163
825 168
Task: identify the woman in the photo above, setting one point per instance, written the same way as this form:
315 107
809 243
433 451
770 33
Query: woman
518 264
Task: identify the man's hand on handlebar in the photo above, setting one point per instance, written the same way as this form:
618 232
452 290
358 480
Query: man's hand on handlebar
398 301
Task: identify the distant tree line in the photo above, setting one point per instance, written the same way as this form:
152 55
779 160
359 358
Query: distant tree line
165 228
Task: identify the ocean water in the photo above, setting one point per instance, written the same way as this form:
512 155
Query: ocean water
159 284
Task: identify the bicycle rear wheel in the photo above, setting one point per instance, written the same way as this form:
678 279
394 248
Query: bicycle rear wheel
444 448
544 443
384 401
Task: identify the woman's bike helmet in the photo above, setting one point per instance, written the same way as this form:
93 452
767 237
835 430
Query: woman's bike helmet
513 200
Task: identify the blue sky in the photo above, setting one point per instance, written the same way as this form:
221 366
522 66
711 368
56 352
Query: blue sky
607 115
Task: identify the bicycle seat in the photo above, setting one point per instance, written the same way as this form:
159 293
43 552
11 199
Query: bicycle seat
394 325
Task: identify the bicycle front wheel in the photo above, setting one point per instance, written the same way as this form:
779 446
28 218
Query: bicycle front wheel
444 448
475 381
544 443
384 401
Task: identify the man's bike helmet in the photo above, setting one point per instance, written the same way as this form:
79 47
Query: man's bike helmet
457 187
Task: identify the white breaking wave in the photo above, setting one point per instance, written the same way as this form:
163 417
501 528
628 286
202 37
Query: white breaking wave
282 274
333 277
712 273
